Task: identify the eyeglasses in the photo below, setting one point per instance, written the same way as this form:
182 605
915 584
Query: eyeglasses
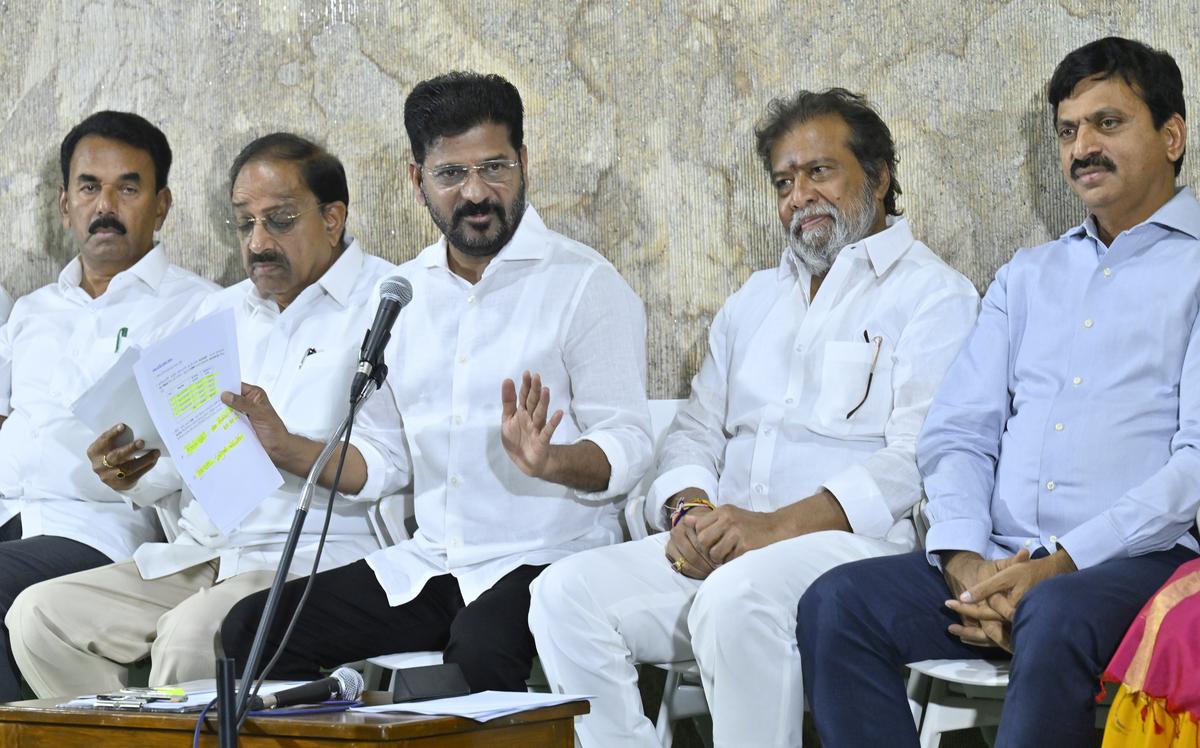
878 341
276 224
453 175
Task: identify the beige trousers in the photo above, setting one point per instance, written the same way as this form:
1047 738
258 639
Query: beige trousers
78 633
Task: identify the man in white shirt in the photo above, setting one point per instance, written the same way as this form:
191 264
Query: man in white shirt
503 485
119 290
300 316
795 452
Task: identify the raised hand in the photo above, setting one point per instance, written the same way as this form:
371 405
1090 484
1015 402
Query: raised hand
524 430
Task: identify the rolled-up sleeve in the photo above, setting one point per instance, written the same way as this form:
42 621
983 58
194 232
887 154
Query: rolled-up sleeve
605 356
881 489
378 435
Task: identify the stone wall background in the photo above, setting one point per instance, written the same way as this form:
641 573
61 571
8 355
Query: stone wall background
639 118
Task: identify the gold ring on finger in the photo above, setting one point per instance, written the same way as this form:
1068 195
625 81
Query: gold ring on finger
104 460
120 474
678 565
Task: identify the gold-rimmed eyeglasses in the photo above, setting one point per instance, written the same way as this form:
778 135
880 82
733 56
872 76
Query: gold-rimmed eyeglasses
276 224
449 176
877 341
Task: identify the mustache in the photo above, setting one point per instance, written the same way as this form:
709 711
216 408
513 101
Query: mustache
477 209
1095 159
106 222
812 210
270 257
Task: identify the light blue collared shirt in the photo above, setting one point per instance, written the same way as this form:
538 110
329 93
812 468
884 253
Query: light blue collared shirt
1072 415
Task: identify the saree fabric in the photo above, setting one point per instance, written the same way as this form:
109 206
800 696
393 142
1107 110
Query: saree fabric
1158 669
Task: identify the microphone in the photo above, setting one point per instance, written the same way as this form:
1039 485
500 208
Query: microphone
344 684
394 294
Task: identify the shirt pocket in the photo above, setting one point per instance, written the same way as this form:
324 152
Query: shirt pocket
846 376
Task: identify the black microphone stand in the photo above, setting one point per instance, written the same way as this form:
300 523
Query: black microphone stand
227 733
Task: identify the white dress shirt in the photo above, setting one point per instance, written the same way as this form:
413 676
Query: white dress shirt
547 304
304 358
57 343
767 425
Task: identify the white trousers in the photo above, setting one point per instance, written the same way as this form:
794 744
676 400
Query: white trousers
79 633
597 613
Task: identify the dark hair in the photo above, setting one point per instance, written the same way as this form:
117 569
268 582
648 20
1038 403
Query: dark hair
453 103
1151 73
322 172
126 127
870 139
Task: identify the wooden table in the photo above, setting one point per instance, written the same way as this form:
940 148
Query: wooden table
42 724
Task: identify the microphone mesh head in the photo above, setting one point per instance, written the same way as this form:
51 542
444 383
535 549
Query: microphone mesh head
397 288
351 682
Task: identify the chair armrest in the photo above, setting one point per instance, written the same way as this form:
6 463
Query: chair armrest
635 522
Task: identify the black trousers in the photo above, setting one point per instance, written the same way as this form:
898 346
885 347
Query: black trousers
347 618
24 563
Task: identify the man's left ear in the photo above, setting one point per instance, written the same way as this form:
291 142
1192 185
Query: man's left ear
163 207
885 182
1175 136
523 157
334 215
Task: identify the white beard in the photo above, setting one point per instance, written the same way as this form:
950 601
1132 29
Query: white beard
818 248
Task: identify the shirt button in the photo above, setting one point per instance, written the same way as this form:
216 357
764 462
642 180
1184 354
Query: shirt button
457 420
1050 485
759 488
1058 427
1107 272
1077 381
1053 540
462 359
455 480
1029 543
790 401
455 542
767 431
471 299
1088 323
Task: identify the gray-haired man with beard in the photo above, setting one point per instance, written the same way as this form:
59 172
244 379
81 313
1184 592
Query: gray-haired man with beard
795 452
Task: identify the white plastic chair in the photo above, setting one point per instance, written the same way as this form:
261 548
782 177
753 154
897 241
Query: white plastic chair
951 695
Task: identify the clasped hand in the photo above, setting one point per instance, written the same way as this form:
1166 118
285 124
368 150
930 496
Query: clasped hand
988 592
706 538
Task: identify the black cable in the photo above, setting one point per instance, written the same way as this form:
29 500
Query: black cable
287 634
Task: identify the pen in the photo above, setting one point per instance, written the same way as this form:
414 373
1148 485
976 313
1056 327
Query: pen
304 358
123 332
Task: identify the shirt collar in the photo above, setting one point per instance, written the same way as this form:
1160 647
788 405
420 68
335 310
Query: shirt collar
338 281
526 244
1180 213
883 249
151 270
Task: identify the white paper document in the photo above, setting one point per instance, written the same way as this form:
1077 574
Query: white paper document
216 451
481 707
115 398
197 695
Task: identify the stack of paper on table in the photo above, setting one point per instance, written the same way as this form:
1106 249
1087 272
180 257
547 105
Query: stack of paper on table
199 693
481 707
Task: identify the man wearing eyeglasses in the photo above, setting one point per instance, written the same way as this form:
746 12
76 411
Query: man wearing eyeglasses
57 518
300 317
519 371
793 454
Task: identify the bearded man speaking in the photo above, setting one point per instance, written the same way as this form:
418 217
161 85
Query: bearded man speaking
794 453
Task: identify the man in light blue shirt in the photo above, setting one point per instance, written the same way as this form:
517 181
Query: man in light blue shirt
1060 455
